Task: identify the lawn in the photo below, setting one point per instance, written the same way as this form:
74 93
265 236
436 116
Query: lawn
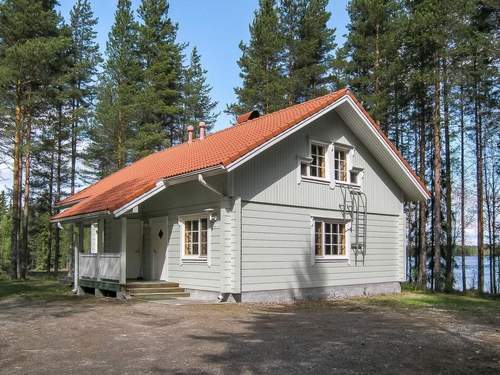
33 289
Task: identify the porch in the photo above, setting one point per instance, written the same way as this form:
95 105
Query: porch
118 255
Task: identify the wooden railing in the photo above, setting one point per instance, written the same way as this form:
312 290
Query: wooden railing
103 266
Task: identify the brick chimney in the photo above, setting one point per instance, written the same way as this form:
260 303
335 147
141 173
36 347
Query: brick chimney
190 133
203 128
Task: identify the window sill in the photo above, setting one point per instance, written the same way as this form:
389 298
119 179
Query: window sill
348 184
194 260
332 259
317 180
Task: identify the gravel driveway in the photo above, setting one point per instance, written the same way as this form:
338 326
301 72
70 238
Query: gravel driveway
92 336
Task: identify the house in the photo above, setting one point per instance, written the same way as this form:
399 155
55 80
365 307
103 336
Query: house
305 202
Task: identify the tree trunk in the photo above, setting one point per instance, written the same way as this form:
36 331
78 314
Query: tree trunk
74 143
487 198
422 270
437 181
51 200
462 187
16 188
26 206
57 252
120 160
448 182
479 187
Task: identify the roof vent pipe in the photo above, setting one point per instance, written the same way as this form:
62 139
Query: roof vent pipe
203 128
190 133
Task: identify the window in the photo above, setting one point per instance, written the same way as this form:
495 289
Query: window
315 166
329 239
91 238
340 162
195 237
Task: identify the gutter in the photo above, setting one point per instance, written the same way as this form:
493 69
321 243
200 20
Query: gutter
202 181
92 215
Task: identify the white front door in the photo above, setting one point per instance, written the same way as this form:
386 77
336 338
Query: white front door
159 241
134 248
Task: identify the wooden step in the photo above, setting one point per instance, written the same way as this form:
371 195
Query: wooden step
151 284
155 290
159 296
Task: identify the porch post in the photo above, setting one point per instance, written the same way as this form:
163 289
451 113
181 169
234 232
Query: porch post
78 248
123 252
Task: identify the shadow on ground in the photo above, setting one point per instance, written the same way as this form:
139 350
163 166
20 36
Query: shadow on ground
346 340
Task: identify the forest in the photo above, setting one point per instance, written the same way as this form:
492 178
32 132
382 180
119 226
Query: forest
426 70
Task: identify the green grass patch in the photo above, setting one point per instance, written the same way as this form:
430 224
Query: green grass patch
33 289
449 302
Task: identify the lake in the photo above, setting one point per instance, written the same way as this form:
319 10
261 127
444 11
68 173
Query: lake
471 273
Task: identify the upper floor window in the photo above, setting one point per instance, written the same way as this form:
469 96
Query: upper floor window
316 165
340 162
195 234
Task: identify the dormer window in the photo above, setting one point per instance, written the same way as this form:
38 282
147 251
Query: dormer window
315 166
318 166
340 163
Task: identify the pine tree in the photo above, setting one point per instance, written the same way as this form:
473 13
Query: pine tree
85 59
309 44
263 87
118 103
162 63
197 105
368 51
31 44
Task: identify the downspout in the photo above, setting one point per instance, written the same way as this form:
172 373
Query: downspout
222 296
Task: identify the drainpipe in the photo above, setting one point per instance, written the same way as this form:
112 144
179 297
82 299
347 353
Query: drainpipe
222 296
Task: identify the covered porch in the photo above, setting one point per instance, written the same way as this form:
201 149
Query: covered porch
112 253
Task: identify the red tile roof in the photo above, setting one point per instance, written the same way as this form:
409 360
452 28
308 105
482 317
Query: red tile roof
217 149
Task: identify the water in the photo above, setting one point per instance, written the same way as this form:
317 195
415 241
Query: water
471 273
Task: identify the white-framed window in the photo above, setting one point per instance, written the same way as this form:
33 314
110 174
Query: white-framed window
91 237
330 239
340 164
195 235
316 165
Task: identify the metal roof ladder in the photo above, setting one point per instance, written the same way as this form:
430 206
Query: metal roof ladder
355 208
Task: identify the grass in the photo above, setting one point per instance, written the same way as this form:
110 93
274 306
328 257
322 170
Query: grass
477 305
33 289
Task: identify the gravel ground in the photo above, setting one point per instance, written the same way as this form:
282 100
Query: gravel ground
103 336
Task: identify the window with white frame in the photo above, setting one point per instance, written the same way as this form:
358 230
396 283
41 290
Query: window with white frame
330 239
195 237
316 165
340 164
91 237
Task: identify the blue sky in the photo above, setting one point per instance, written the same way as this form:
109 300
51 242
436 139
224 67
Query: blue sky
216 28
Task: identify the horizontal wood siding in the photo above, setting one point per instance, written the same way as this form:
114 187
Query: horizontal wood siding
185 199
272 176
277 252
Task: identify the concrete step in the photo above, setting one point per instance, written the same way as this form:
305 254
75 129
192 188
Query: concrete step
151 284
159 296
167 289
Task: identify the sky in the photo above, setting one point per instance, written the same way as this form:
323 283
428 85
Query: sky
215 27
